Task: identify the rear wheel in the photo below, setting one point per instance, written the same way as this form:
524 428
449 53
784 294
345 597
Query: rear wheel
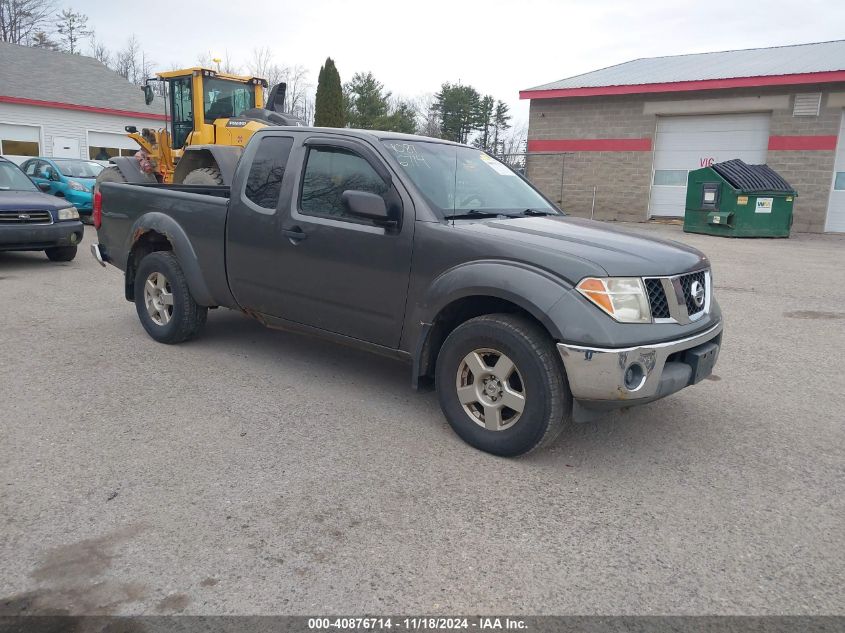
163 300
61 253
109 174
210 176
501 385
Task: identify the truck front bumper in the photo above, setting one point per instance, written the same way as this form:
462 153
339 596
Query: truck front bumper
602 378
36 237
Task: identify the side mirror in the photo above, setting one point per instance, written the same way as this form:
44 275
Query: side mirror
148 94
365 205
43 186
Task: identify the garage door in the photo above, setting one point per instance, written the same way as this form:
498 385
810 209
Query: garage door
105 145
836 206
684 143
20 140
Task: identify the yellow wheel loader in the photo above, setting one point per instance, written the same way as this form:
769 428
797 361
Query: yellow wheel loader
211 116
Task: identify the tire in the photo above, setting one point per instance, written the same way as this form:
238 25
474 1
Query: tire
109 174
210 176
61 253
537 375
167 320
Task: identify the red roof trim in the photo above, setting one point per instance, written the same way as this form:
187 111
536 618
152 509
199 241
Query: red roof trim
591 145
83 108
802 143
688 86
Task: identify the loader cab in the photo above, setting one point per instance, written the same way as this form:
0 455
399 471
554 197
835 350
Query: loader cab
197 97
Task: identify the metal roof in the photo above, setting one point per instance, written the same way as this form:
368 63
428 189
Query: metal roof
45 75
752 62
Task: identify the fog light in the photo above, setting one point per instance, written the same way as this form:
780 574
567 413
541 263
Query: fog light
73 238
634 377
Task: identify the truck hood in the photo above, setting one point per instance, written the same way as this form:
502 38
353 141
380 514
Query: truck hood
619 252
30 201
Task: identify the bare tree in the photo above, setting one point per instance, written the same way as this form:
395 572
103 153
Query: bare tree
20 20
127 61
427 115
513 144
99 51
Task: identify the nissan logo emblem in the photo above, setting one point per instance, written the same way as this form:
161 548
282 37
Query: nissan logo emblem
697 292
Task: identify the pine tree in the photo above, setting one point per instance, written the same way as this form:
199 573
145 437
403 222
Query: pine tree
72 27
329 107
458 107
41 39
366 102
501 123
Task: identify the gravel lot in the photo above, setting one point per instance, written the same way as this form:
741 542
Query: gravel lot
255 471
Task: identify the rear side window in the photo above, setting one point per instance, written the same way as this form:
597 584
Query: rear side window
267 170
329 172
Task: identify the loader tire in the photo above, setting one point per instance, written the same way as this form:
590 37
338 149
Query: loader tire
109 174
210 176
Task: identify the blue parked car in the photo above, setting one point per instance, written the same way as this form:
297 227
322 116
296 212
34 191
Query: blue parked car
69 178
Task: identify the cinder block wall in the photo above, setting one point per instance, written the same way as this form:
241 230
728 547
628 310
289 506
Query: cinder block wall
622 180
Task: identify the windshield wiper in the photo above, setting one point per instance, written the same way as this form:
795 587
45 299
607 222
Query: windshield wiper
474 213
536 212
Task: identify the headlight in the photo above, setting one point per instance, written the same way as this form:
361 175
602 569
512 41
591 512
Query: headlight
78 186
623 298
68 213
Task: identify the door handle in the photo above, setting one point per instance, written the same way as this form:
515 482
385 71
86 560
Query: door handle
295 234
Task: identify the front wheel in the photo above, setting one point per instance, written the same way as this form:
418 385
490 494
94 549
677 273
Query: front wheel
163 300
61 253
501 385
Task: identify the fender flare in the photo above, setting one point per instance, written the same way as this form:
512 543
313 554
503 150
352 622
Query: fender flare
131 170
224 157
531 289
182 248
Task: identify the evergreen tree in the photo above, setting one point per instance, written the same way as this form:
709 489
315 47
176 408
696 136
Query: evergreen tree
72 27
501 123
329 107
367 102
41 39
459 107
485 122
402 118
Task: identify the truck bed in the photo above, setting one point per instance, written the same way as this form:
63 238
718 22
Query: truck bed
174 211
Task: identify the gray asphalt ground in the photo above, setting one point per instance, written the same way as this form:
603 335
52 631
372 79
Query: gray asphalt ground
259 472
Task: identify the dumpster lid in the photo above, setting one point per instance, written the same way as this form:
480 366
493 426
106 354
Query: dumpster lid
751 178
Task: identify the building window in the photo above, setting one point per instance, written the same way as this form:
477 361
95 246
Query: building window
19 148
670 177
839 181
96 152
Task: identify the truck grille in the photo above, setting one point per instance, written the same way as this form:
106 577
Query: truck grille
657 299
25 217
686 284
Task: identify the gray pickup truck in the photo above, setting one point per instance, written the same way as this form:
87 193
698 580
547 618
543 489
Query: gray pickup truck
524 319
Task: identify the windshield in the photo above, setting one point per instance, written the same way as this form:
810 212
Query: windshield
458 180
79 168
224 98
13 179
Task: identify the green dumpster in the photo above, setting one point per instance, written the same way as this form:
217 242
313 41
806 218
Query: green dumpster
734 199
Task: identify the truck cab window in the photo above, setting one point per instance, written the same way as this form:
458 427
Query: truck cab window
264 181
331 171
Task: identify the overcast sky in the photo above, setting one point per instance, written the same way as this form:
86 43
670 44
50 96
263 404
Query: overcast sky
497 46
